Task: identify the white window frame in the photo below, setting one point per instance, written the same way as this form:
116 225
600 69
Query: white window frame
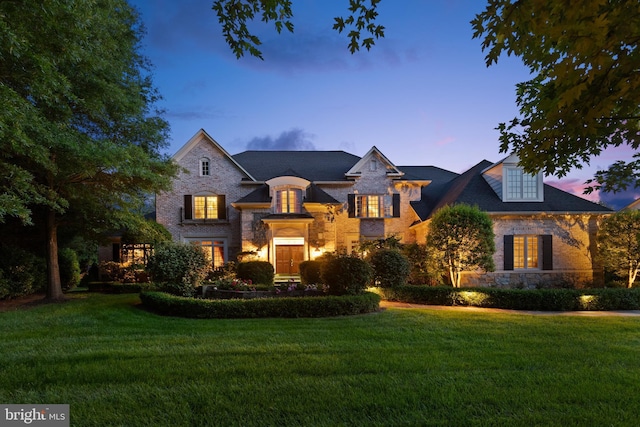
365 203
211 242
289 206
205 167
207 208
521 189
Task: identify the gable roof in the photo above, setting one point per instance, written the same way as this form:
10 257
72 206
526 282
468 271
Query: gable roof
356 170
472 189
195 139
311 165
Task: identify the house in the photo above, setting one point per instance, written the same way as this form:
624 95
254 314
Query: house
291 206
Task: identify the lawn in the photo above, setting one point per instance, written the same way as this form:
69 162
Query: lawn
119 365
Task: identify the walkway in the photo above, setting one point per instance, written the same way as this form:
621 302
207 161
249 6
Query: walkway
621 313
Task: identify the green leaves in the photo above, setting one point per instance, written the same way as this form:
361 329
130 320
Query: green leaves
619 244
361 18
584 95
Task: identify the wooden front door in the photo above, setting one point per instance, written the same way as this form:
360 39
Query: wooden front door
288 258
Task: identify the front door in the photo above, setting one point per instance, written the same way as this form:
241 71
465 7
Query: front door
288 258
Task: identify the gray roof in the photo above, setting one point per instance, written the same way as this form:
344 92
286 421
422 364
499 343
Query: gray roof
471 188
310 165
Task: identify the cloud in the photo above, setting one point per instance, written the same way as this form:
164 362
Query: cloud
574 186
291 140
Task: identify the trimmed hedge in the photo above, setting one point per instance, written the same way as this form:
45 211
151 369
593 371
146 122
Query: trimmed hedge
602 299
329 306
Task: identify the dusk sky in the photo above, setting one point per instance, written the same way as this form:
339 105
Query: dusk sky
423 94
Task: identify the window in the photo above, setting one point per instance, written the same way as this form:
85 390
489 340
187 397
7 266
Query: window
204 207
374 206
136 253
521 186
204 167
526 252
288 200
213 249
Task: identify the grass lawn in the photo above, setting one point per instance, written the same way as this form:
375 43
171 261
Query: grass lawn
118 365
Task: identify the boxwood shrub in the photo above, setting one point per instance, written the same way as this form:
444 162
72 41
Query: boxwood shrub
310 272
327 306
518 299
259 272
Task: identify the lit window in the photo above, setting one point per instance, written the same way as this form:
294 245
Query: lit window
525 252
213 249
204 167
288 201
373 206
520 185
205 207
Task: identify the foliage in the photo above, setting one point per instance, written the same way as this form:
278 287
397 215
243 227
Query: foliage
261 307
345 274
619 244
21 272
519 299
310 272
120 288
110 271
233 16
80 137
180 267
227 271
421 273
585 91
228 284
460 239
390 267
69 269
146 231
256 271
367 246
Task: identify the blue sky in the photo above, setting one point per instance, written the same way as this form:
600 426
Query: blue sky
423 95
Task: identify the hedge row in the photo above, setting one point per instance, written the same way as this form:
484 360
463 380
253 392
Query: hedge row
119 288
517 299
328 306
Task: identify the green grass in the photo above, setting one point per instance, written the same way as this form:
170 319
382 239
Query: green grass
119 365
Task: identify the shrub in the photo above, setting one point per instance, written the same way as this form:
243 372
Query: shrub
310 272
21 272
69 268
171 305
421 273
390 268
345 274
179 267
256 271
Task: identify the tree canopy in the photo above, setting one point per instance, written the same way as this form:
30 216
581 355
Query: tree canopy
619 244
461 239
584 95
80 138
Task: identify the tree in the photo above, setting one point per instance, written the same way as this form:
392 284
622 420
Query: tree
585 92
234 14
80 139
619 244
460 239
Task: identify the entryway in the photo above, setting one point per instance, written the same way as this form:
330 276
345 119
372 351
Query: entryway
288 259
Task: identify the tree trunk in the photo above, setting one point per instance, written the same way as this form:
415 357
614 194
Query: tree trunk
54 286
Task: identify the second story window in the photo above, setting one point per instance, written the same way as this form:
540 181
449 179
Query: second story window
205 207
288 200
373 206
204 167
521 185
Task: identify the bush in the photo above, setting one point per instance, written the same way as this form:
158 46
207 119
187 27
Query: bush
170 305
256 271
120 288
345 275
69 268
390 268
519 299
310 272
179 267
421 273
21 272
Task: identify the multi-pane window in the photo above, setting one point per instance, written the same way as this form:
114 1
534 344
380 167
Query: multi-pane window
288 200
205 207
525 252
520 185
213 249
373 206
204 167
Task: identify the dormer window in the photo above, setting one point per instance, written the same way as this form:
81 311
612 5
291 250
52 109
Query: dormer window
204 167
521 186
288 200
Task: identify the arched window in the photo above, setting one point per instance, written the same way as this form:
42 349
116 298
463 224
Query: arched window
289 200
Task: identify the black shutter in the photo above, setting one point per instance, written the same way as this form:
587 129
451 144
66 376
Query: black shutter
188 207
396 206
351 205
222 207
547 252
115 252
508 252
